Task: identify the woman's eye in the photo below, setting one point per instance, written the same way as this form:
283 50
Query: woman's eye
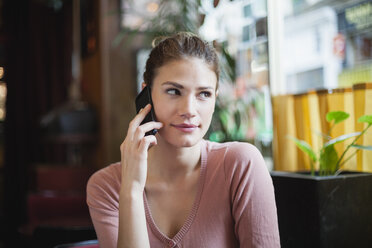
205 94
173 92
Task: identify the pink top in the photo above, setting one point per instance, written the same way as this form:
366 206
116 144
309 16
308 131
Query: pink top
234 206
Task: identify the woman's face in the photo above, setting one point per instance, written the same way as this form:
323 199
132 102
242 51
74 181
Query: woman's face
184 95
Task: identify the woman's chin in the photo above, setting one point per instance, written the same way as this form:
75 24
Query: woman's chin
180 141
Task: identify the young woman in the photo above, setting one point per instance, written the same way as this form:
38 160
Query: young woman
174 189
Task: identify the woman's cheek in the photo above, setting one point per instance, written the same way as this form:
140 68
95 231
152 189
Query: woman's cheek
159 112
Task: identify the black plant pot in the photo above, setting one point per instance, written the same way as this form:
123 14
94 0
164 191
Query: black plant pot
332 211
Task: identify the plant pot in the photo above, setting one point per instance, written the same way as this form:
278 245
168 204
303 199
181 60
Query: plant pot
331 211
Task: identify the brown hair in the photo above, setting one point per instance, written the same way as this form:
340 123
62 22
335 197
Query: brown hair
182 45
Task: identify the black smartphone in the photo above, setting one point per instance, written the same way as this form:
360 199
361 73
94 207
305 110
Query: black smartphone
144 98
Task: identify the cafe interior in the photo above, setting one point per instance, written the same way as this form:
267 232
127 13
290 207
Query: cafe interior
296 78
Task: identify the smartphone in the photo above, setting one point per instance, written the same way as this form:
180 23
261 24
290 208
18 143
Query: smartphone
144 98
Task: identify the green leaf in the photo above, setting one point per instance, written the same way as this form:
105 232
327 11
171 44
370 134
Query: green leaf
341 138
328 160
237 119
366 118
337 116
217 136
119 38
224 117
369 148
305 147
322 135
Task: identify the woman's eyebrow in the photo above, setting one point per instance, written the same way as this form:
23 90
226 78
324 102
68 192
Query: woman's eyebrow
179 86
206 88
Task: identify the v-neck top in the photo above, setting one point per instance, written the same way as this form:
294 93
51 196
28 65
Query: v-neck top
191 215
234 205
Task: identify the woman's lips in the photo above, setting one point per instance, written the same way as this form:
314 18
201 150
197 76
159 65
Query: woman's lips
186 128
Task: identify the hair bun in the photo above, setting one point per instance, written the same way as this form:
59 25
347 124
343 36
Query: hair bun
159 39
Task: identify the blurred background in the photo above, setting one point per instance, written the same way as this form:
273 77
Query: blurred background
71 69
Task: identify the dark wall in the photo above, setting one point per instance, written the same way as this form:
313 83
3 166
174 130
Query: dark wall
38 72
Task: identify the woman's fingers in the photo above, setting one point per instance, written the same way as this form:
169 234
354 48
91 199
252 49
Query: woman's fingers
137 121
139 134
141 115
146 142
144 128
136 131
134 148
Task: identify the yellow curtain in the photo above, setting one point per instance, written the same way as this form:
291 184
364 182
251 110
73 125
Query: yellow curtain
367 155
323 109
363 105
315 121
304 116
302 123
335 99
284 150
349 127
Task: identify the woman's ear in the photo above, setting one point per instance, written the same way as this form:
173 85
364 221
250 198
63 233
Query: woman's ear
217 93
143 85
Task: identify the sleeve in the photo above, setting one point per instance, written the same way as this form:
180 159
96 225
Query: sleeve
252 198
103 203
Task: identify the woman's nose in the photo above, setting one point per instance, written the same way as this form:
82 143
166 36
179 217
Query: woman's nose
187 107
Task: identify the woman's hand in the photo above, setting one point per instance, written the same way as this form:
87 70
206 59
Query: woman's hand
134 152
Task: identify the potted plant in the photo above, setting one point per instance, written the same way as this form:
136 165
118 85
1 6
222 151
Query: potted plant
326 206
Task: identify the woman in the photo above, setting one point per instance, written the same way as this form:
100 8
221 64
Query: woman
174 189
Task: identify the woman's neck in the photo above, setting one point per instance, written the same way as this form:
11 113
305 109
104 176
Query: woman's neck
169 162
